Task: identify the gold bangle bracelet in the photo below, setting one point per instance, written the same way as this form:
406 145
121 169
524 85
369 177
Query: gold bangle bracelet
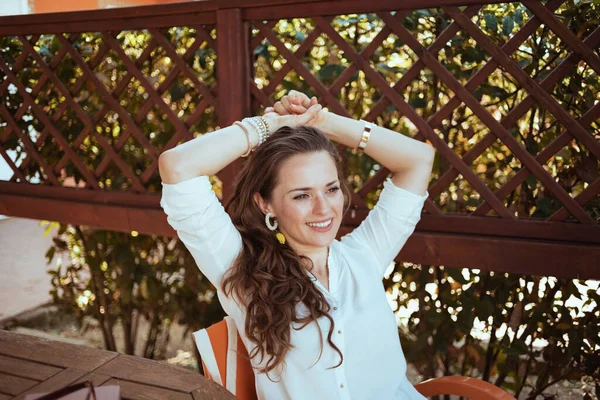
238 123
365 135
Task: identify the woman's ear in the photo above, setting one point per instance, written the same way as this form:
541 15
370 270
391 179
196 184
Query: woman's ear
262 204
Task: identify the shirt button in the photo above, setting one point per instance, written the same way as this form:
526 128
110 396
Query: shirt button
340 332
342 385
334 308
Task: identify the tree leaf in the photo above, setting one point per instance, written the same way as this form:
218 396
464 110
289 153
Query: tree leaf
178 91
330 72
507 25
491 22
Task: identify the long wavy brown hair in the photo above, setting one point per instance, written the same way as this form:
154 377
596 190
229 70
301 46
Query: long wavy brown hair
269 278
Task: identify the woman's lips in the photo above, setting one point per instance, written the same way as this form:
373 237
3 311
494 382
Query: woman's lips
325 229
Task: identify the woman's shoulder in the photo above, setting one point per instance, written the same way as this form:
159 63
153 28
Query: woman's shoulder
351 251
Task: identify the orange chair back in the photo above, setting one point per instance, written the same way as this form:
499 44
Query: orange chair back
225 359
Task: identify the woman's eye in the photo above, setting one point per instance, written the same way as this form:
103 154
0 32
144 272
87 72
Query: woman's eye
304 196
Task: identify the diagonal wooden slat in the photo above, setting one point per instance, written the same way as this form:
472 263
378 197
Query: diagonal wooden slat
587 195
121 86
366 53
416 67
17 172
477 79
562 140
116 47
263 95
419 122
88 72
327 99
63 107
586 53
255 41
498 129
4 85
201 88
399 86
299 53
260 95
138 134
203 32
443 113
185 69
525 81
511 118
29 145
172 75
48 123
89 124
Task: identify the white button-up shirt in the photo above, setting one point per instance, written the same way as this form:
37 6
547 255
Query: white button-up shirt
366 333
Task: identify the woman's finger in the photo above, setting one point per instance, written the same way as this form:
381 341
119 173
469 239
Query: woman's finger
293 103
280 109
309 114
299 98
293 97
299 109
305 101
269 110
285 100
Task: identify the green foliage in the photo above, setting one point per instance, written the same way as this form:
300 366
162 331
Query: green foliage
118 277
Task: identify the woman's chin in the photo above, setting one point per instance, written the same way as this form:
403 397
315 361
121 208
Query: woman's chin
324 241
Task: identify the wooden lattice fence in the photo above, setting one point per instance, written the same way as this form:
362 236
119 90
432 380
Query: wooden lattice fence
90 99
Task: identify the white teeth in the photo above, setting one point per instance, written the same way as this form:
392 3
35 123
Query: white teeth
322 224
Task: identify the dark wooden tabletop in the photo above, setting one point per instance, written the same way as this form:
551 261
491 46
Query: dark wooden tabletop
30 364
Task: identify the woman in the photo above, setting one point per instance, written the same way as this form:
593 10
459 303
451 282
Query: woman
311 310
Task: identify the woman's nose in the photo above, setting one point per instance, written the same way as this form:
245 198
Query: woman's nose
321 205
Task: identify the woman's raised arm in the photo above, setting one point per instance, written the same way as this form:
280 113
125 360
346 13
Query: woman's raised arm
410 160
205 155
210 153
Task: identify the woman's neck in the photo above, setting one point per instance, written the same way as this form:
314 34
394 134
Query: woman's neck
318 256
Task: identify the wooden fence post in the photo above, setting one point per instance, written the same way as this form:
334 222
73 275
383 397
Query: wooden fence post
233 72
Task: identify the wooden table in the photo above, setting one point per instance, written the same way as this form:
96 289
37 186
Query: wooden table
33 365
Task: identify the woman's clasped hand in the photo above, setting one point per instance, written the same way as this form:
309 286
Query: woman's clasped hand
295 109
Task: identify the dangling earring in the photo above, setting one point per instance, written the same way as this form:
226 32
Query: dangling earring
273 226
280 237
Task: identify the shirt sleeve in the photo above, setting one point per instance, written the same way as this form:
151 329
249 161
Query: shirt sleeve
202 224
388 225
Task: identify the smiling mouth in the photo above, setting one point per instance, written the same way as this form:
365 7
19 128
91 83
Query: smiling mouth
320 224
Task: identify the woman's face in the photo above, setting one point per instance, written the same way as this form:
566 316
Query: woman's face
308 202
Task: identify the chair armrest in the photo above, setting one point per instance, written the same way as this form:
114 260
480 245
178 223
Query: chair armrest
471 388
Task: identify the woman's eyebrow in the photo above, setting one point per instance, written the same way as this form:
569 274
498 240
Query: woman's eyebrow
308 188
